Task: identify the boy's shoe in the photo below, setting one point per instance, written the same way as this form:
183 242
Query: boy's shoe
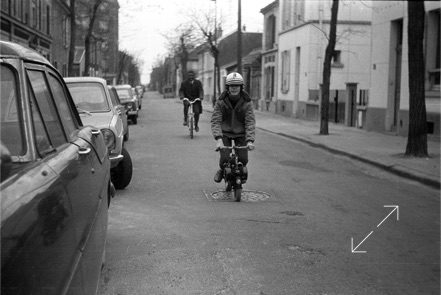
218 176
185 123
196 129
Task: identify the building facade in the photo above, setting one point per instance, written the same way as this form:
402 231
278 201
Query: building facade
388 107
303 27
28 23
270 40
44 26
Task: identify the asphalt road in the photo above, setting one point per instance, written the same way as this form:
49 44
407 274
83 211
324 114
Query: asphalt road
305 211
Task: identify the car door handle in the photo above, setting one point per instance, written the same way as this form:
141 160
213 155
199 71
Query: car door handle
95 132
84 151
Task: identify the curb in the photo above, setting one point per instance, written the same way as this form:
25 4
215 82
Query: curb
392 169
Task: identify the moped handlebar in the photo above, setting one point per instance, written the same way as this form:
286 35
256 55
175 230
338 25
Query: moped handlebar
233 147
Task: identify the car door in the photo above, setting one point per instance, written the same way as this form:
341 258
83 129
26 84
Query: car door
120 108
95 202
78 167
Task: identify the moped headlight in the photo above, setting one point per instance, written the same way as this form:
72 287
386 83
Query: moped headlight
109 138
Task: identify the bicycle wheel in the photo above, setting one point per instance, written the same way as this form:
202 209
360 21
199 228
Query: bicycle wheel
237 194
191 127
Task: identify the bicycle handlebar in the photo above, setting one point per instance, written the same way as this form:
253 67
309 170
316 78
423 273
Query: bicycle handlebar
195 100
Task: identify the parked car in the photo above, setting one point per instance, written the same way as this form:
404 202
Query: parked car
95 106
55 182
138 96
168 92
122 109
127 96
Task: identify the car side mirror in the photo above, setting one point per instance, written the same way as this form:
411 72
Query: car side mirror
5 162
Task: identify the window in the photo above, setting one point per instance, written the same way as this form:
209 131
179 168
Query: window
364 97
336 59
11 128
66 31
47 108
293 13
285 70
433 51
63 105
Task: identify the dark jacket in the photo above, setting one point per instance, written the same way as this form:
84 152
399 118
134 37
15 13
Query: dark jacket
191 91
237 122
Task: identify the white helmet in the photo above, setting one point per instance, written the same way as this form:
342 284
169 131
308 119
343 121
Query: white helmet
234 78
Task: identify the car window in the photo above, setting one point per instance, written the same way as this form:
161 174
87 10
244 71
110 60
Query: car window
42 139
11 124
47 108
89 96
113 97
124 93
63 106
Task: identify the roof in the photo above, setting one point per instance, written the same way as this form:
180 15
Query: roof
228 46
14 50
85 79
269 7
253 59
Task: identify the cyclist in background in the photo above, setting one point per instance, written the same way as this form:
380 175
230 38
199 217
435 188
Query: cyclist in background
233 118
192 89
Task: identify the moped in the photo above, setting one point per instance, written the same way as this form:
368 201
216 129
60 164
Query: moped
235 173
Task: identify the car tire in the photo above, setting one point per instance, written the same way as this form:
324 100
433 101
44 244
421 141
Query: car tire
126 136
135 119
122 173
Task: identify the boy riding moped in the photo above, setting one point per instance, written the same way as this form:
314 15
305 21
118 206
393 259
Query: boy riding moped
233 119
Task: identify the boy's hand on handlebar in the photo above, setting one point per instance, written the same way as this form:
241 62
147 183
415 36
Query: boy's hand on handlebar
250 146
219 144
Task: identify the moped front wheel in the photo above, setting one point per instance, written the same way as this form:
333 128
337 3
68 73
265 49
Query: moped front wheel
228 186
237 194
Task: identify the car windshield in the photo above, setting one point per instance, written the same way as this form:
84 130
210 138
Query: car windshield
11 128
124 94
89 97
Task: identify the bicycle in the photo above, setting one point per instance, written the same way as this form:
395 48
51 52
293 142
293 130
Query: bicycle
235 174
191 115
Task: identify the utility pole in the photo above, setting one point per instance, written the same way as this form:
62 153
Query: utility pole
239 38
215 43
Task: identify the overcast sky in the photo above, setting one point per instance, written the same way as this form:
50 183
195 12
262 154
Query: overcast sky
142 23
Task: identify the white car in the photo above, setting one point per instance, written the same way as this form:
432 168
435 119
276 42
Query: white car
94 104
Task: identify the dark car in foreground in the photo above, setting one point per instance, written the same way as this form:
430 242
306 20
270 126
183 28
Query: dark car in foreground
55 182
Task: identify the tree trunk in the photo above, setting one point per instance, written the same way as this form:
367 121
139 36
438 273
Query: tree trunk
324 107
183 58
88 37
73 29
417 136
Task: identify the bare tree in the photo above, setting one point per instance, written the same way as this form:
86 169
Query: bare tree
89 34
324 107
73 28
417 136
181 41
207 25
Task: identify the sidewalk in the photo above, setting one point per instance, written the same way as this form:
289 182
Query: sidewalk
381 150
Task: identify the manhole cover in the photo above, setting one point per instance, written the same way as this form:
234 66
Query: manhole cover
247 196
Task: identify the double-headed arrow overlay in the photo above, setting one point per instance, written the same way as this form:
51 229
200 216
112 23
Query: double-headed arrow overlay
352 240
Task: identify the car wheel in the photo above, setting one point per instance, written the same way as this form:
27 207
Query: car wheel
122 174
135 119
126 136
